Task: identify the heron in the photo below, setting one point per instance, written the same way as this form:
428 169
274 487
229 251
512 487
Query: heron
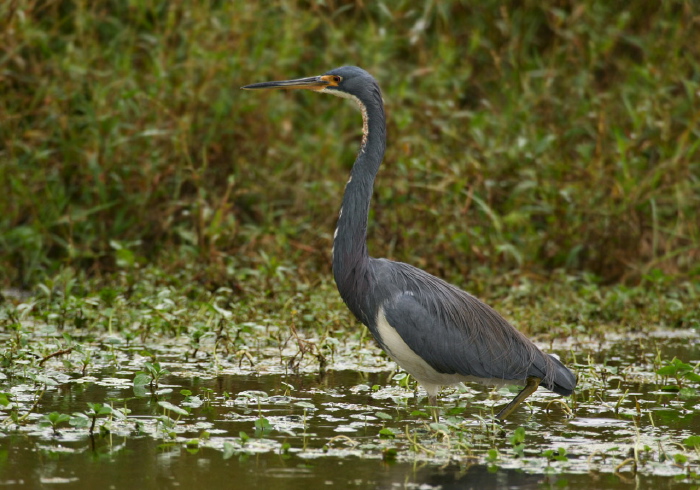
438 333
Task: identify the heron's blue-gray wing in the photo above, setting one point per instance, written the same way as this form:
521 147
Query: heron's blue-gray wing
460 334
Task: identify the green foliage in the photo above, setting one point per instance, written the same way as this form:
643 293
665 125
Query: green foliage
403 379
151 374
420 414
492 455
619 376
558 455
683 373
169 407
518 441
262 427
692 441
541 136
229 450
53 420
387 433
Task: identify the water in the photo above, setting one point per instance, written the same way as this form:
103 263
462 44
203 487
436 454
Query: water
259 425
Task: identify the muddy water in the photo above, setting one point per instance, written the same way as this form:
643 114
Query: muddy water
261 426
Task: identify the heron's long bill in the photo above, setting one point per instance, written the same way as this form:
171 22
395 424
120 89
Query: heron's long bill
311 83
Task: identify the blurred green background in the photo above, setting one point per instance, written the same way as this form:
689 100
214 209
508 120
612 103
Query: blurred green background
535 136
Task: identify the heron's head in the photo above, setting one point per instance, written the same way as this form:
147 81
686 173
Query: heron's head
346 81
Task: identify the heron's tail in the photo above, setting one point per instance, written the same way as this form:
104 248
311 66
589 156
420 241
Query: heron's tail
558 378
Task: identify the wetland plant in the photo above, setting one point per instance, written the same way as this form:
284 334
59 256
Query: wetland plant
682 373
53 420
152 373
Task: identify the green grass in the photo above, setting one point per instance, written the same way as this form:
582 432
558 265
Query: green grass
546 137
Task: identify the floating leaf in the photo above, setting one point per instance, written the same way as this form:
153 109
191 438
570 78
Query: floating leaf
173 408
305 405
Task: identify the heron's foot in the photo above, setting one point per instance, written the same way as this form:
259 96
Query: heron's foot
530 387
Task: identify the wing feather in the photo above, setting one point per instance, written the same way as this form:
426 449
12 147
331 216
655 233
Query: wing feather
454 332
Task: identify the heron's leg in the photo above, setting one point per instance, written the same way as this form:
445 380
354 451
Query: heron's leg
530 387
432 400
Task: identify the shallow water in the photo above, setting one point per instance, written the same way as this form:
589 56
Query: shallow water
256 424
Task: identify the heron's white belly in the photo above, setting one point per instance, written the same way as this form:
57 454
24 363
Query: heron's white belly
428 377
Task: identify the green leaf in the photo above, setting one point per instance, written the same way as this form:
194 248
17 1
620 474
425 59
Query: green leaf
54 419
692 441
420 413
688 393
105 410
518 436
389 454
5 399
492 455
142 378
383 415
173 408
120 413
456 410
94 407
58 418
262 423
439 427
80 420
676 367
667 371
140 391
387 433
229 450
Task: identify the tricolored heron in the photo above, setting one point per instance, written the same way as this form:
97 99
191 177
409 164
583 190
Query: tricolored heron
438 333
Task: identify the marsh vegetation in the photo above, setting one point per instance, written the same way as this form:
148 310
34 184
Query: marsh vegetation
166 310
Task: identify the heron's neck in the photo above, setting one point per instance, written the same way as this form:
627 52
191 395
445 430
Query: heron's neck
350 257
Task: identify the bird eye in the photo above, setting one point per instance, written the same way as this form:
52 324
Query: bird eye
337 79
